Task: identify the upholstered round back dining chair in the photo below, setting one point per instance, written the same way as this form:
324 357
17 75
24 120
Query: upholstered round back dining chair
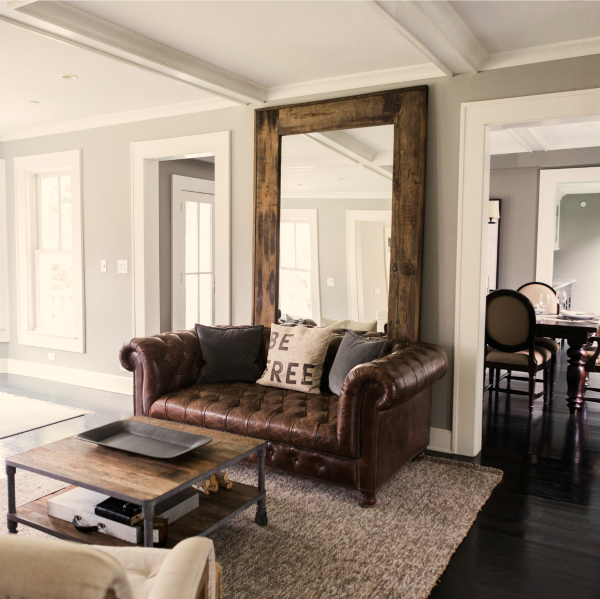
535 289
511 343
533 292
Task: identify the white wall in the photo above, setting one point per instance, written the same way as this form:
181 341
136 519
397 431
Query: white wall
107 206
580 249
107 225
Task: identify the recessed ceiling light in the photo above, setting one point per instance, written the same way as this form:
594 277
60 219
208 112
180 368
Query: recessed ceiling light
68 76
299 184
33 102
343 179
583 204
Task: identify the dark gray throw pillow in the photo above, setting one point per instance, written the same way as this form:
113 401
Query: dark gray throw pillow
229 354
353 350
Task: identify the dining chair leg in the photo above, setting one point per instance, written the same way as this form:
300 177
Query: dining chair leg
552 375
546 382
491 379
498 373
508 379
531 390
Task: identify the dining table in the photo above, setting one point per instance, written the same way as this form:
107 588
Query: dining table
576 333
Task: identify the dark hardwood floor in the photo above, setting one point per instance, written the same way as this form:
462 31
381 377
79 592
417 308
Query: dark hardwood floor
539 533
538 536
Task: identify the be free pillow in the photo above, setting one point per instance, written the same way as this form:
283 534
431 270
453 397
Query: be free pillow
296 357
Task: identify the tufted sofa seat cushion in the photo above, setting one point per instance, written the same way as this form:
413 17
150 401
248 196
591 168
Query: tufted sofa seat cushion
305 420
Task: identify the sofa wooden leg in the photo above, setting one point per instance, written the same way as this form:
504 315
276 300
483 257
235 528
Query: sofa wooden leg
369 499
420 456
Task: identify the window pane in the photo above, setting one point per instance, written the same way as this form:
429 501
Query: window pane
55 294
206 300
295 293
66 221
205 228
286 246
191 237
303 246
48 217
191 301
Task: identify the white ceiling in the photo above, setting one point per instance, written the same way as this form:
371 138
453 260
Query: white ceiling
354 163
272 43
515 25
543 137
103 87
143 59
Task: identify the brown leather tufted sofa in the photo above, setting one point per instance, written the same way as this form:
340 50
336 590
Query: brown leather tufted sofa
358 439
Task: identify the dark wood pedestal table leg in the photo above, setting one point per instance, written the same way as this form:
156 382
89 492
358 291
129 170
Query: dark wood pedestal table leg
261 507
575 375
12 507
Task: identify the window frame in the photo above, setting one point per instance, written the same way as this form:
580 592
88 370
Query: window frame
308 215
26 201
4 305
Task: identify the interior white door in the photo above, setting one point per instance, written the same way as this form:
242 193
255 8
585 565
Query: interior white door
193 252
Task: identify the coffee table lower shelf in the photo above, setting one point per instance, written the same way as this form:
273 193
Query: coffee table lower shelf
215 509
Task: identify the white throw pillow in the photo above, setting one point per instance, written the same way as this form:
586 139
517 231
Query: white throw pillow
296 357
351 325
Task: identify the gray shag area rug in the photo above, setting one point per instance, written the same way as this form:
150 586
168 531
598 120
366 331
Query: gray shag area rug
320 543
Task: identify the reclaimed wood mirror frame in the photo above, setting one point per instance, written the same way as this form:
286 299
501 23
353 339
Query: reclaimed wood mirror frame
406 109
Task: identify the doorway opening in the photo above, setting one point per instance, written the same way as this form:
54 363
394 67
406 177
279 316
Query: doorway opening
480 120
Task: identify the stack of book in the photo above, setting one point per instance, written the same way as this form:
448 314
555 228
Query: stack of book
118 518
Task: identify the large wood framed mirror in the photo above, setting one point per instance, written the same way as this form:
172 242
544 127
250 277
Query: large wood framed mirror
338 211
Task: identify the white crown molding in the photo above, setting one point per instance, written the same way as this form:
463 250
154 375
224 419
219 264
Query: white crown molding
558 51
336 195
117 119
437 32
77 27
114 383
355 81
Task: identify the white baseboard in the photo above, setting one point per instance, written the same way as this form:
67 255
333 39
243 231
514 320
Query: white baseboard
72 376
440 440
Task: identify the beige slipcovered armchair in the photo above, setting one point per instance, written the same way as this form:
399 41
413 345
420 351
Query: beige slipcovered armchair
38 568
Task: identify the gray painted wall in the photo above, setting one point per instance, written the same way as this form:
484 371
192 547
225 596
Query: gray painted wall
331 223
107 206
580 249
167 168
518 189
514 178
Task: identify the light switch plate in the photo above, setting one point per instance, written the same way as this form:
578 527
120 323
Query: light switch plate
51 356
377 291
102 265
331 282
122 267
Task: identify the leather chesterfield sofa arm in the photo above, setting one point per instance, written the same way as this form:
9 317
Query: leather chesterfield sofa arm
401 374
161 364
385 383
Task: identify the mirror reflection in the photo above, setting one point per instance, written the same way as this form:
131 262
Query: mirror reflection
335 228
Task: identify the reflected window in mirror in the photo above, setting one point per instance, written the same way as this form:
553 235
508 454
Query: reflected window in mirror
335 227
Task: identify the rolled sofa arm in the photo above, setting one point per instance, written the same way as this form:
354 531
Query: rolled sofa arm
385 383
400 375
161 364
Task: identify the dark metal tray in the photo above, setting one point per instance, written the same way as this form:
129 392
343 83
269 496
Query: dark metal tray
144 439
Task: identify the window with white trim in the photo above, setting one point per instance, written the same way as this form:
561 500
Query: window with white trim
49 251
299 264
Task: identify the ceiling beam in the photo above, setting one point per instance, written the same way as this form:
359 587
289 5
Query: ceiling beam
437 32
76 27
347 146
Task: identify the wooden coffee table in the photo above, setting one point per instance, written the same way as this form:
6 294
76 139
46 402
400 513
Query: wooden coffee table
142 481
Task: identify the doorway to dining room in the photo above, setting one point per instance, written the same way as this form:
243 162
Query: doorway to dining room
523 120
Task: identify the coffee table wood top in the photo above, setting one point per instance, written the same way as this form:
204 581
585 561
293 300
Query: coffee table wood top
133 477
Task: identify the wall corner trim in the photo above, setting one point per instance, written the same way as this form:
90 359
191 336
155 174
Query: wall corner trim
440 440
113 383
